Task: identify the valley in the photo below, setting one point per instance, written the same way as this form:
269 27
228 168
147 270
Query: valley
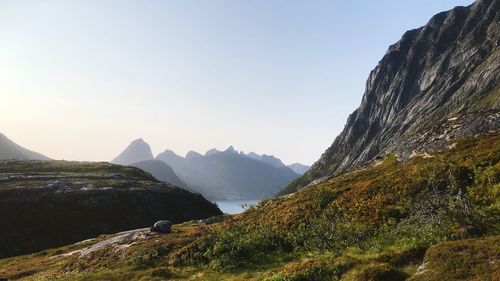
409 189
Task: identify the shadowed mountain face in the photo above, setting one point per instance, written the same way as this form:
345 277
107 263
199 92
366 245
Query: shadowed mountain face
229 174
162 172
10 150
137 151
438 82
45 204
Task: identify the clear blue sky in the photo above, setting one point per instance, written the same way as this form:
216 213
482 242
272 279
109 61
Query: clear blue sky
81 79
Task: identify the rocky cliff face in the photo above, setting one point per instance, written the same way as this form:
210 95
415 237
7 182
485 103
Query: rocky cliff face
438 82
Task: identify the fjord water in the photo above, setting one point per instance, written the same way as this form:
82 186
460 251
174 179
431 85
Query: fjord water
235 206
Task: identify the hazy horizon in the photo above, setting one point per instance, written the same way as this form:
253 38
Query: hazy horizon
80 80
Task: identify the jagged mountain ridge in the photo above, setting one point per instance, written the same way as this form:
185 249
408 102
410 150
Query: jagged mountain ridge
298 168
438 82
229 174
271 160
224 174
9 150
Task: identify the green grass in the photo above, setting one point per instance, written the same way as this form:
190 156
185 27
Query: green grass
472 259
390 208
379 223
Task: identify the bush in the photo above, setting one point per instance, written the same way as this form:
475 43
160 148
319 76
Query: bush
147 258
314 270
240 245
379 272
162 272
472 259
393 207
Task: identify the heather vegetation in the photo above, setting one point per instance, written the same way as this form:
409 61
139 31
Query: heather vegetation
409 190
393 210
394 220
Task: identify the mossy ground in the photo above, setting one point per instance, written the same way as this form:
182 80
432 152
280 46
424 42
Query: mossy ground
379 223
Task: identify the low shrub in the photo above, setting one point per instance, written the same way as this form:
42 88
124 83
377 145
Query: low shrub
378 272
147 258
314 270
162 273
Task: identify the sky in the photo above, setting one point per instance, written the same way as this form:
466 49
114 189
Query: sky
81 79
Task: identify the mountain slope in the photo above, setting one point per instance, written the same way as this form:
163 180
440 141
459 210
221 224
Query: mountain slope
172 159
136 151
229 174
439 81
375 223
162 172
11 150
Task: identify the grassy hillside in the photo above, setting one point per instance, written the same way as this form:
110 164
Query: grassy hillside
434 217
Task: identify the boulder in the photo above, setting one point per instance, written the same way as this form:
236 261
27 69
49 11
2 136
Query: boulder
162 226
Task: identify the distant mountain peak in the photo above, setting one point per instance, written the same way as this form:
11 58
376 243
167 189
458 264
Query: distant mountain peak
138 141
229 174
298 168
254 155
169 152
137 151
212 151
11 150
270 159
230 149
192 154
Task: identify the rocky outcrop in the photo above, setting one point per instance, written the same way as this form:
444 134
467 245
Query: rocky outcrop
162 226
438 82
45 204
